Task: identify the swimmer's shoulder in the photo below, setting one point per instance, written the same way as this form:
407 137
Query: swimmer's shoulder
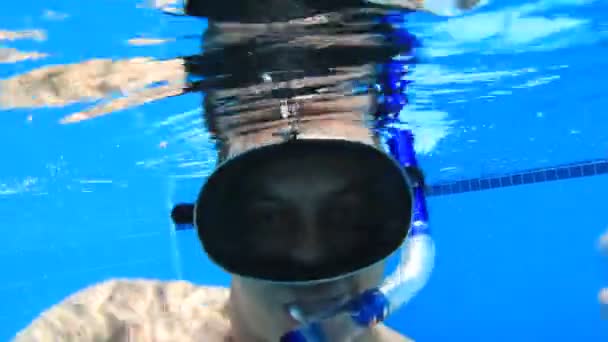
386 334
136 310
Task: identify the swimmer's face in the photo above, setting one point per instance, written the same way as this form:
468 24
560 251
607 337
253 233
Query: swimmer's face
309 217
264 306
306 210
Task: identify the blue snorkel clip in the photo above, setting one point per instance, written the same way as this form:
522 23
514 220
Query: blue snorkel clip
413 271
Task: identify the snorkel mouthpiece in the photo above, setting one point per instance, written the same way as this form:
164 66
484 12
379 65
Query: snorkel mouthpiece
417 257
366 310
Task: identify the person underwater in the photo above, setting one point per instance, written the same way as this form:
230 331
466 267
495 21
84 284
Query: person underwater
298 224
303 222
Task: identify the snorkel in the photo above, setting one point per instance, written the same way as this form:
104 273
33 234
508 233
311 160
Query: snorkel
417 256
416 253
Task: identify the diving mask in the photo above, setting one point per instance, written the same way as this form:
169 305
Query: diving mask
304 211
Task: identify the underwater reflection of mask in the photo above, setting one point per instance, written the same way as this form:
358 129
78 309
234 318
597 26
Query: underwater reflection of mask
304 211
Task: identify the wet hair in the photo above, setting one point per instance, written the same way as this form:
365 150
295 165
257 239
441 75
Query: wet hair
344 55
267 11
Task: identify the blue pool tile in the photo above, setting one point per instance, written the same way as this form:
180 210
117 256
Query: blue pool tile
446 189
539 176
572 170
475 184
528 178
517 179
484 184
435 190
465 185
575 171
563 173
588 170
551 174
601 168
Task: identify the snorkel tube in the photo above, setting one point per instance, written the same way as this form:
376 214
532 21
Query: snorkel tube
417 257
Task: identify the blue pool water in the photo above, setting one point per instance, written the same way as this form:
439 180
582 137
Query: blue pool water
508 105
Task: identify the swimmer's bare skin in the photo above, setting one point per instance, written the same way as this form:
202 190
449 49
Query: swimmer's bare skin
134 310
146 311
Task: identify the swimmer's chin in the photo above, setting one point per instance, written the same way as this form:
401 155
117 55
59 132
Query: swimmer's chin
302 310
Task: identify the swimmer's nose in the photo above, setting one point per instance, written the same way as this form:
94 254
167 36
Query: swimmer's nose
308 249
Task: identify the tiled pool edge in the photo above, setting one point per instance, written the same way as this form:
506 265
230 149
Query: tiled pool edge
540 175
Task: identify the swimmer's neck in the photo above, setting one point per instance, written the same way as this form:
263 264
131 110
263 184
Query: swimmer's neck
241 331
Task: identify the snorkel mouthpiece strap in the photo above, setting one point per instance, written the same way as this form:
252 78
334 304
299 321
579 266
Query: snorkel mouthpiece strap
417 261
368 309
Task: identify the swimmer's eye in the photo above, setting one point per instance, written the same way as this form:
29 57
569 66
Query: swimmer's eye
344 211
340 215
267 216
